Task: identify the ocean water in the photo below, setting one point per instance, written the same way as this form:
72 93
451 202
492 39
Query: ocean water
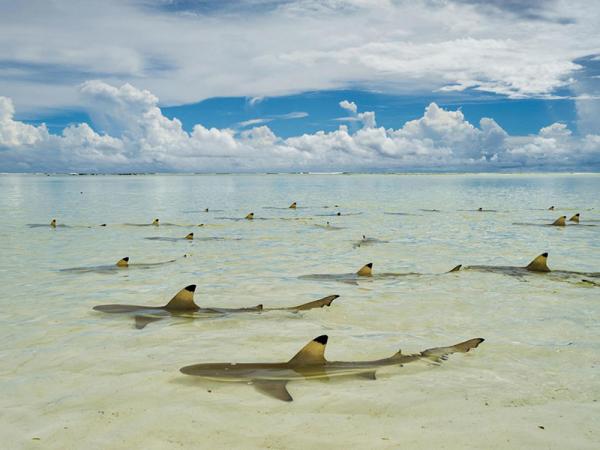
72 378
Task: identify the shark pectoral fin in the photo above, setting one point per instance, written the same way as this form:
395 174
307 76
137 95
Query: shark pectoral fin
142 321
325 301
455 269
367 375
273 388
439 354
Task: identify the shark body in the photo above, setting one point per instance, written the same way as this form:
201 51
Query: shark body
310 363
122 264
183 305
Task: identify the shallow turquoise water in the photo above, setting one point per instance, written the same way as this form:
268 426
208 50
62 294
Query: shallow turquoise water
76 378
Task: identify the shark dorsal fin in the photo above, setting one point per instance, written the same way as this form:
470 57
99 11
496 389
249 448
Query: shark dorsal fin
123 262
539 264
183 300
560 222
551 208
575 218
190 236
155 222
250 216
53 223
480 209
366 270
312 353
455 268
292 206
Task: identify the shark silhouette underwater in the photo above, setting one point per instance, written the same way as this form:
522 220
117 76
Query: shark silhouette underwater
309 364
364 273
183 305
366 241
538 266
120 265
188 238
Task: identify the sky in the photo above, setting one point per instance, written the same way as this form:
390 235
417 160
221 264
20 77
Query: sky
299 85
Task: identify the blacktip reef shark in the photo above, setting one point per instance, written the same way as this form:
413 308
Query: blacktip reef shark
539 265
560 222
183 305
188 238
53 224
365 241
364 273
122 264
309 363
328 227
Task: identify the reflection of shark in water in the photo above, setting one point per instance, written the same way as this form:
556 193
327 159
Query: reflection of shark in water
363 274
365 241
122 264
183 305
310 364
537 266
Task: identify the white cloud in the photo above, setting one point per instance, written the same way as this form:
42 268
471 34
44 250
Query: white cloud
349 106
136 136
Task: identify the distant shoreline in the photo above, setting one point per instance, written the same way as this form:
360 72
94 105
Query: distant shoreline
75 174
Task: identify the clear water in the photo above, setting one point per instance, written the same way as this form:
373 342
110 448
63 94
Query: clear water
71 377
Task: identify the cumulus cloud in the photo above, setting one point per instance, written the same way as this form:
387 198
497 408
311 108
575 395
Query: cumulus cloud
131 133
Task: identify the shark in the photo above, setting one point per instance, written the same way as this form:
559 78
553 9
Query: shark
539 265
122 264
53 224
364 273
183 305
365 241
328 227
310 363
189 237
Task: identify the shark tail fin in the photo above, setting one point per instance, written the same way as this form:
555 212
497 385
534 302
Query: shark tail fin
312 353
123 262
183 300
292 206
439 354
539 264
249 216
455 269
575 218
560 222
325 301
190 236
366 270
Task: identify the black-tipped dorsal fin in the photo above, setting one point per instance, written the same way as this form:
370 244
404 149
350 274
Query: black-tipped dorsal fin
560 222
250 216
311 353
575 218
190 236
455 268
539 264
366 270
123 262
293 206
53 223
183 300
155 222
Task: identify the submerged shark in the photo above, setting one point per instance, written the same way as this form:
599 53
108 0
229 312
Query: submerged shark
365 241
122 264
538 266
364 273
310 363
188 238
183 305
53 224
328 226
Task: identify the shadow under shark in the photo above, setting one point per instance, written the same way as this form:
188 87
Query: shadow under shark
183 305
310 363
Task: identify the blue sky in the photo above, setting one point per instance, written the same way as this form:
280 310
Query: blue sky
258 85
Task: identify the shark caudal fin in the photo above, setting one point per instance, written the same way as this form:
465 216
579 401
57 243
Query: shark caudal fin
560 222
311 353
439 354
155 222
183 300
190 236
325 301
366 270
123 262
292 206
575 218
539 264
53 223
250 216
455 269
